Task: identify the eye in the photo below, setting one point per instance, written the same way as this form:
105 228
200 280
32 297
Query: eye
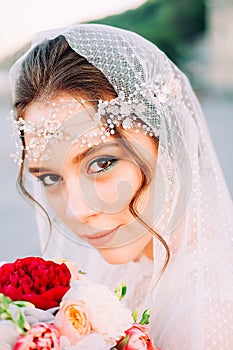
101 165
49 179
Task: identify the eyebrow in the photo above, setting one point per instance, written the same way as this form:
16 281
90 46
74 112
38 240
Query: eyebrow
33 170
78 158
94 149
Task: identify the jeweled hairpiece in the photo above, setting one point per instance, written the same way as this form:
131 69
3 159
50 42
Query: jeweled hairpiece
48 132
128 114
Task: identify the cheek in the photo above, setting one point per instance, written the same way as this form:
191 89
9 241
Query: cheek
116 189
56 201
146 203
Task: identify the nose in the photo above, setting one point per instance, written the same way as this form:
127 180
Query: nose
78 204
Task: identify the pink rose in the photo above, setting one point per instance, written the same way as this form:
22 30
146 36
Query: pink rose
72 320
137 338
41 336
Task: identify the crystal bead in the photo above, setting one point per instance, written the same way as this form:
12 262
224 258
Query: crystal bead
127 123
33 143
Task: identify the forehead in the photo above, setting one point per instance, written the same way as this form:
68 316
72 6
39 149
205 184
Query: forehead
71 121
60 109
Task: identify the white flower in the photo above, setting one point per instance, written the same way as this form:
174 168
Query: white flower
8 334
108 315
171 87
33 315
91 341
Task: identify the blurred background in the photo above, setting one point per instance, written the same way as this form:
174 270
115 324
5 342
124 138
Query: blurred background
196 34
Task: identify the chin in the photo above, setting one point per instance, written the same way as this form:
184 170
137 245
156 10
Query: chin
130 252
116 256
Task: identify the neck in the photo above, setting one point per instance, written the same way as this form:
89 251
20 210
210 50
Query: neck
147 251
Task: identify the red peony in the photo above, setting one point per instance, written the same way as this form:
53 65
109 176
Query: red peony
40 337
137 338
36 280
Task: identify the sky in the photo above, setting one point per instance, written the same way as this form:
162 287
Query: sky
21 19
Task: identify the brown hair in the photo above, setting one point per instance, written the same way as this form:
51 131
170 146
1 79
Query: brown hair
53 68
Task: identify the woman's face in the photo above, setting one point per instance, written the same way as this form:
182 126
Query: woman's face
89 185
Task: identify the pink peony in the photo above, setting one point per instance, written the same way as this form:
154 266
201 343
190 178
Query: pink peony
36 280
73 320
137 338
40 337
73 268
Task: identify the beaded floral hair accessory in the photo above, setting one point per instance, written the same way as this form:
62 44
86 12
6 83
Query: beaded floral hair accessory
48 132
128 114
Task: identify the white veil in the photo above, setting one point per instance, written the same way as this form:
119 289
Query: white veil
192 303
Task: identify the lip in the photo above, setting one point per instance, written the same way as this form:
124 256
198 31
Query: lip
100 239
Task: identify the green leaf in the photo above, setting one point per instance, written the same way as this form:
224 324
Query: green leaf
145 317
121 345
22 323
82 272
121 290
117 291
5 301
4 316
20 330
135 315
20 320
21 303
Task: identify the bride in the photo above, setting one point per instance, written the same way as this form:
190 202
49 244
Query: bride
125 177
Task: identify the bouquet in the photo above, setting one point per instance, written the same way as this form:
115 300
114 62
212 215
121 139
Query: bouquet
52 305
